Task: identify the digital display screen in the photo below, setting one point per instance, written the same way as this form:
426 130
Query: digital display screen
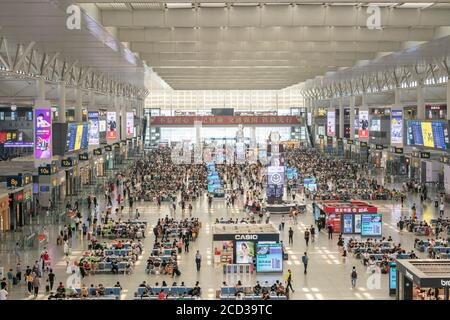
363 130
348 223
428 134
375 125
111 129
310 184
331 123
94 132
269 257
392 276
77 137
292 173
130 124
275 175
245 251
357 223
43 134
397 127
371 224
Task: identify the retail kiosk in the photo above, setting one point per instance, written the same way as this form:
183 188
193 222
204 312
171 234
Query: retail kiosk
248 244
349 217
423 279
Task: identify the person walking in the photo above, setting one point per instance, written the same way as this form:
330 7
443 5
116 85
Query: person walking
330 231
198 260
51 279
186 244
291 236
36 285
441 209
29 281
313 233
305 260
282 223
289 281
354 276
307 237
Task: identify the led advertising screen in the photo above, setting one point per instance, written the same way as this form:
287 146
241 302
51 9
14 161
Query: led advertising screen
331 123
392 276
275 175
245 251
375 125
363 129
348 223
291 173
357 223
356 123
371 225
428 134
130 124
310 184
94 132
77 137
102 126
111 122
397 127
43 134
269 257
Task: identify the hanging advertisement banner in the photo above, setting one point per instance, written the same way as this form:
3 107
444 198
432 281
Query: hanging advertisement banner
363 130
331 123
130 124
309 119
356 123
43 134
397 127
111 130
94 132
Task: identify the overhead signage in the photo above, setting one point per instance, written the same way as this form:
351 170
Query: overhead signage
18 181
116 145
224 120
67 163
83 156
108 148
44 171
362 144
349 141
428 134
398 150
98 152
379 147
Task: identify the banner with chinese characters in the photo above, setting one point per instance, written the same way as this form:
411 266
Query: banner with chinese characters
224 120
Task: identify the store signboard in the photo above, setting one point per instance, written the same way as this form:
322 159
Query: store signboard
111 130
44 171
98 152
67 163
363 130
331 123
379 147
83 156
371 225
130 124
349 141
269 257
108 148
94 130
397 127
43 134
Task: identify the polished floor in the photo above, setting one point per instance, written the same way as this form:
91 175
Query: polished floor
328 274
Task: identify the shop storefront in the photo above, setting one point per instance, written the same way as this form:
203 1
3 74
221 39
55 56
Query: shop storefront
248 244
72 176
4 212
353 217
349 149
377 157
20 200
98 164
340 147
50 185
422 279
109 158
84 168
397 165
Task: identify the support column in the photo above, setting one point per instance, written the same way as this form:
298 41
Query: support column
448 99
420 102
40 89
78 105
117 106
61 103
397 96
352 117
253 136
341 118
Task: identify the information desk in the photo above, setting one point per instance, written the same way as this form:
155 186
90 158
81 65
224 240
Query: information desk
349 217
256 244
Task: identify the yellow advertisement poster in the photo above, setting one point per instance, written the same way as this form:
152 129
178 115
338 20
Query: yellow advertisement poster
427 133
78 137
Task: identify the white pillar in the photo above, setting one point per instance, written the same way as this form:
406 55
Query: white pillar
420 102
397 96
78 105
448 99
352 117
40 89
341 118
253 135
61 102
117 107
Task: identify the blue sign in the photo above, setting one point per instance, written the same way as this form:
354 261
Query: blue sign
371 225
292 173
392 276
269 257
348 223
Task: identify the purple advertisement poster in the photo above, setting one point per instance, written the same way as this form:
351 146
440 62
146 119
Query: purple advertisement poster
43 134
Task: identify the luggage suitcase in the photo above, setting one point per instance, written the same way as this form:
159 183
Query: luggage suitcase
15 281
47 288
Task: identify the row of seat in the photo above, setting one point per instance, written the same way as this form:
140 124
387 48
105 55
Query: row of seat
174 291
253 297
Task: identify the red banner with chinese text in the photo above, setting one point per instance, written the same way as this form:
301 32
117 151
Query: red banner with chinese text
224 120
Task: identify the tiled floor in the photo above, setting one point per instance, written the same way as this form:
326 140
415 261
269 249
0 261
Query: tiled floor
328 272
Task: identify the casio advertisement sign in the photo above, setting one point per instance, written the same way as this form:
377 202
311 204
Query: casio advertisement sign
246 237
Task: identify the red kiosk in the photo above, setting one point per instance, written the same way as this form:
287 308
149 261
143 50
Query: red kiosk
344 216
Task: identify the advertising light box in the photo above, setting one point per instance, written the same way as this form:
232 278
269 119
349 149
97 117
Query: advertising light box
371 225
245 252
310 184
111 130
130 124
363 130
94 132
397 127
43 134
269 257
331 123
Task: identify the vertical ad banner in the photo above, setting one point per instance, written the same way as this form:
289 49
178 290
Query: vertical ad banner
363 130
130 124
397 127
111 123
43 134
331 123
94 132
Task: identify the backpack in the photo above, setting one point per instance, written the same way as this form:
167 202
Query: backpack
354 275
